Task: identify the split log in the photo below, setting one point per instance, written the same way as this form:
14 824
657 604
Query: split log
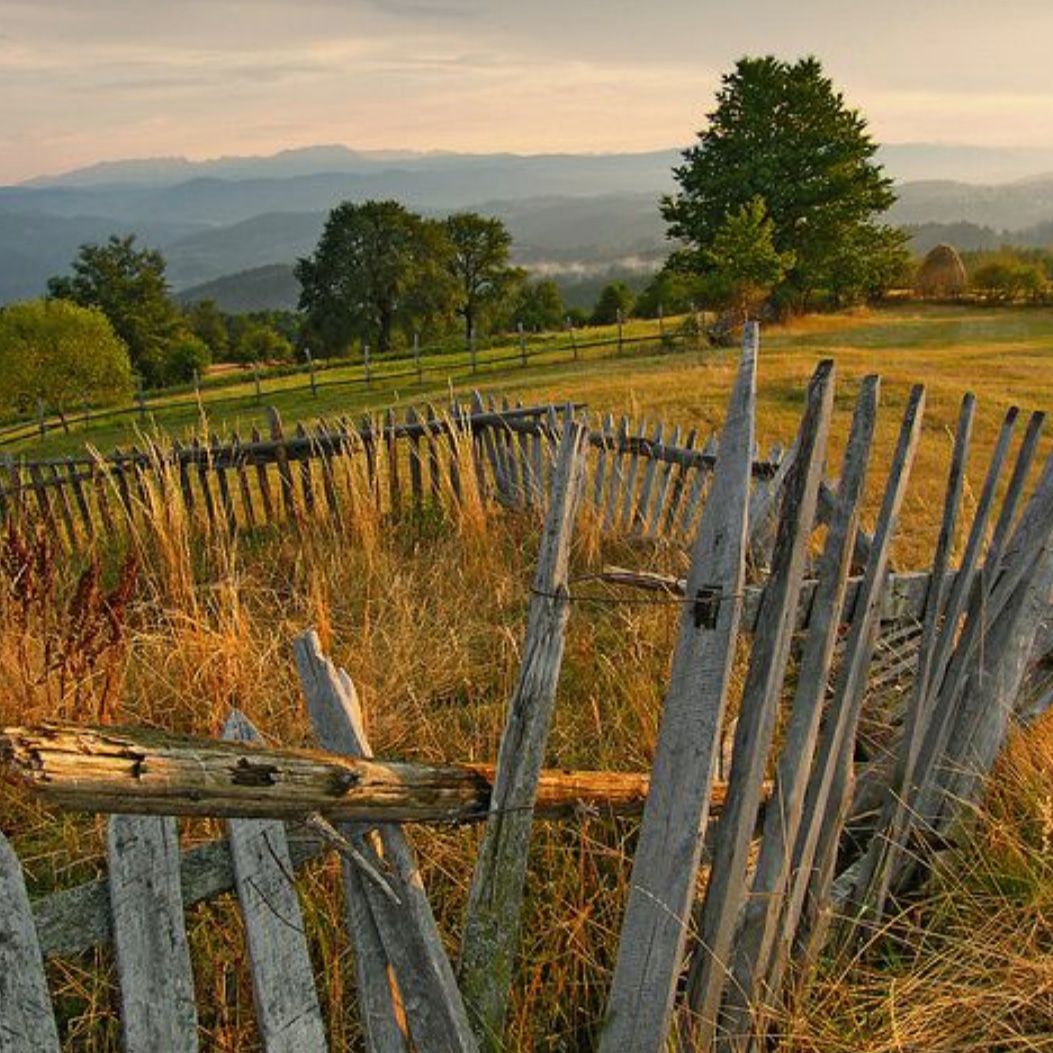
147 772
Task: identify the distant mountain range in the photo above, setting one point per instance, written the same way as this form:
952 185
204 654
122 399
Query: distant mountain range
231 228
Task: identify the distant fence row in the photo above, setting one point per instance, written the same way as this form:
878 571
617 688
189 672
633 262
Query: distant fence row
644 480
418 366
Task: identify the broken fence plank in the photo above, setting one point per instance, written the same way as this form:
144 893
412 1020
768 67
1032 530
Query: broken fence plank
410 938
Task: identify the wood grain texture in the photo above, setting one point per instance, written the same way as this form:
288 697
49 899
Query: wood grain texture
665 865
27 1023
755 726
743 1020
287 1010
153 957
408 934
491 931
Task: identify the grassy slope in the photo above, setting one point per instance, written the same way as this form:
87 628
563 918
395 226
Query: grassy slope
429 622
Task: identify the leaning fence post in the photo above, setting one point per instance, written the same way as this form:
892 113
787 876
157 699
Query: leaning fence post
669 849
495 899
407 933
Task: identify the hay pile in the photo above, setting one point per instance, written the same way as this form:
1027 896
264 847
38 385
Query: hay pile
941 273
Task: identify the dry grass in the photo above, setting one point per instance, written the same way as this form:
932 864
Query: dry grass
427 615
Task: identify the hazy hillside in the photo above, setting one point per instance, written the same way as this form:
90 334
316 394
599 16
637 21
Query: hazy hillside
273 287
571 216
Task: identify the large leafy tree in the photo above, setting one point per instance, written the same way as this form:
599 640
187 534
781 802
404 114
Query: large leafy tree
128 285
782 133
61 353
377 268
479 265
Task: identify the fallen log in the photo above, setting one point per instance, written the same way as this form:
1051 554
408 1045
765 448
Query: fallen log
148 772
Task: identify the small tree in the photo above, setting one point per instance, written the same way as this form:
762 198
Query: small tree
61 353
207 322
187 357
478 264
540 306
128 285
744 260
615 298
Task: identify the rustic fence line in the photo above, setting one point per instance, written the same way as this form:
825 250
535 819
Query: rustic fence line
784 879
639 482
412 367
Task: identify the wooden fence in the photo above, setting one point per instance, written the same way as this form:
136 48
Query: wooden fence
709 971
645 481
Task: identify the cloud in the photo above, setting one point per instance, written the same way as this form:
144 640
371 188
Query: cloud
116 78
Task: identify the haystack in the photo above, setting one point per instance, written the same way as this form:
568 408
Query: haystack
941 273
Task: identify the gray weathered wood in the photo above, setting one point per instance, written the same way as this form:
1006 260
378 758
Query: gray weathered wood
679 487
408 934
663 487
153 957
628 511
886 845
332 704
666 863
617 473
491 931
77 919
287 1009
647 487
606 444
743 1017
755 726
967 596
830 787
27 1023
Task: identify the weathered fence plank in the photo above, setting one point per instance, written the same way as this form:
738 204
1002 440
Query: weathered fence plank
491 931
755 726
670 843
287 1009
743 1016
153 957
411 942
27 1023
805 914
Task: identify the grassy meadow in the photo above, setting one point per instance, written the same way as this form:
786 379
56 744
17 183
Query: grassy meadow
427 616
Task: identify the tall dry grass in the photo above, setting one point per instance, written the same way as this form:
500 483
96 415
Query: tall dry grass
167 623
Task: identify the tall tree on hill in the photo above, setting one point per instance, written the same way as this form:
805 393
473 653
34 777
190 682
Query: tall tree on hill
479 264
377 267
780 132
128 285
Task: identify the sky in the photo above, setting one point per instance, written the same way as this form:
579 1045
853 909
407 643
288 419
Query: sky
83 81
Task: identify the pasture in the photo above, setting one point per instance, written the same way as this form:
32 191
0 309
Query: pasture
427 615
